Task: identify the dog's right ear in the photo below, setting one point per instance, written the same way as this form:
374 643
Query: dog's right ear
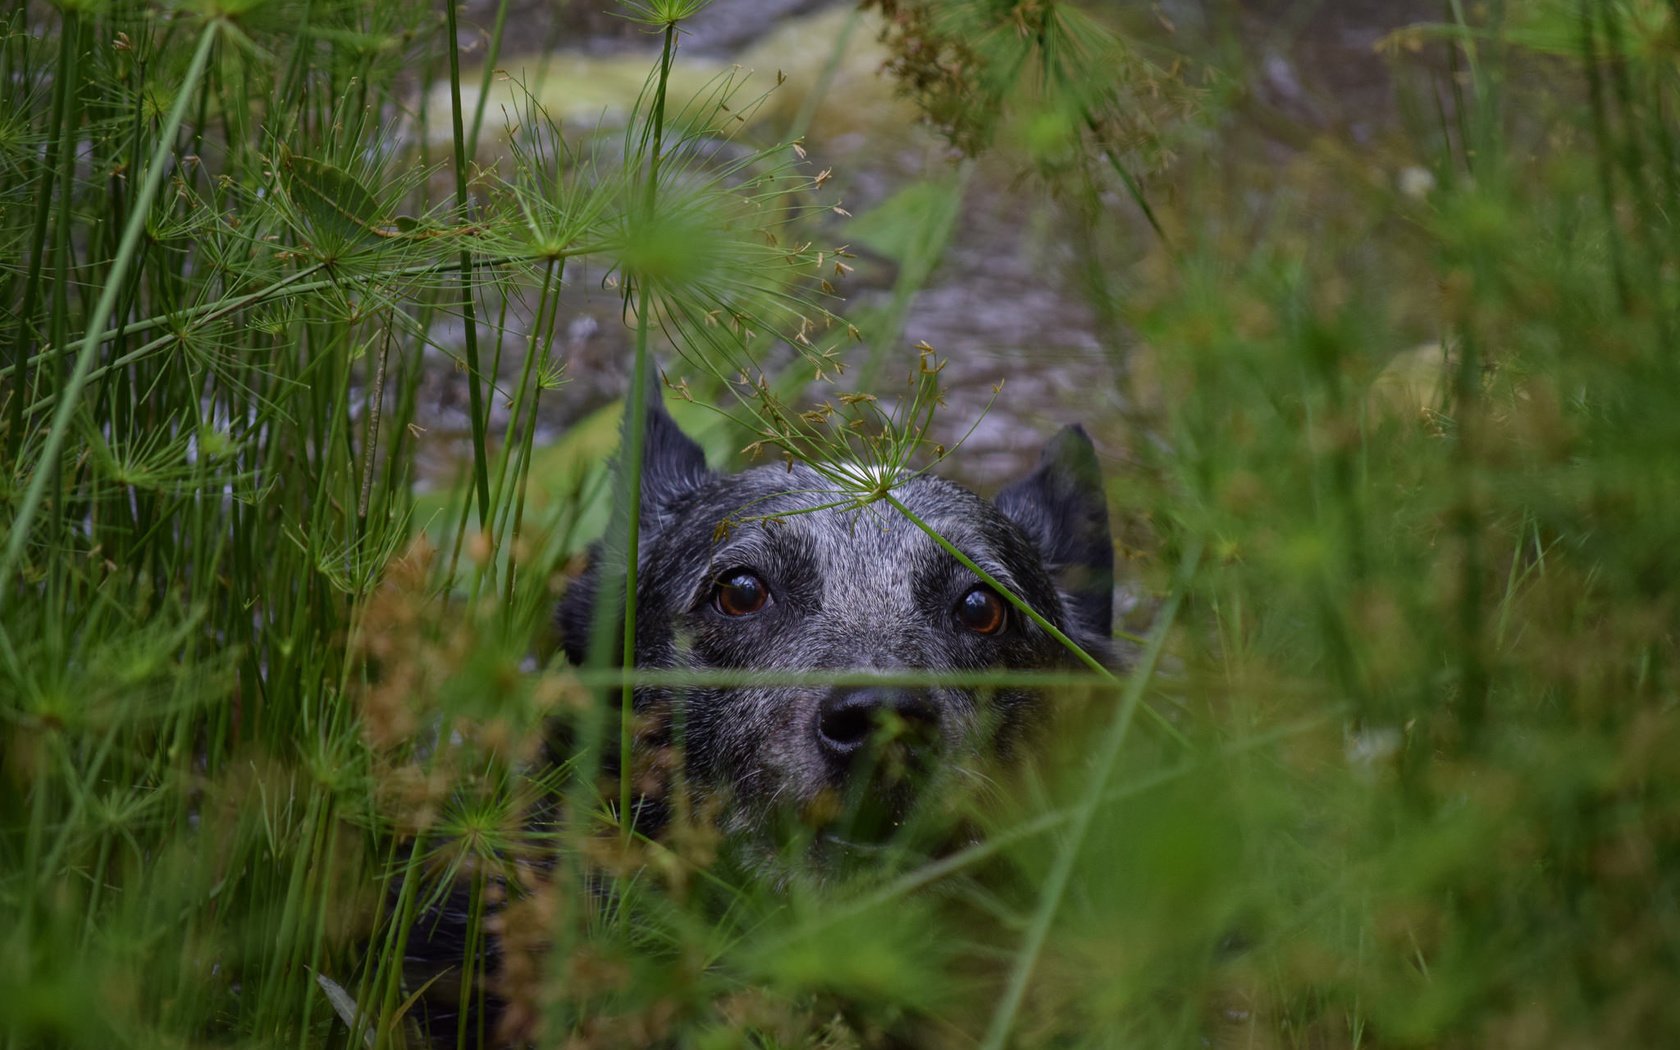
673 466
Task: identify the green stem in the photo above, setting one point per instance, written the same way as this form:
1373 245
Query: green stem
472 992
114 282
1134 188
937 227
469 315
635 424
1079 823
488 75
216 311
63 249
918 879
1032 614
543 333
38 239
1010 596
825 80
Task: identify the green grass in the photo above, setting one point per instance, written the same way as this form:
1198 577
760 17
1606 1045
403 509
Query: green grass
1404 473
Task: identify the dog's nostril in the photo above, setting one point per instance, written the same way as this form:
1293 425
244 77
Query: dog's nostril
847 724
846 720
849 717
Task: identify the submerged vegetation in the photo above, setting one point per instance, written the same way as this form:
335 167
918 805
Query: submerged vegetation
1401 434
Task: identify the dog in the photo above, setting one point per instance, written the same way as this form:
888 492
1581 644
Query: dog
777 569
780 571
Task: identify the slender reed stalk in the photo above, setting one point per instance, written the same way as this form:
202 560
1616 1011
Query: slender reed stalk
69 395
635 424
469 309
1073 838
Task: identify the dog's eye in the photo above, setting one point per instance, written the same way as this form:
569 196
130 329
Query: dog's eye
739 594
982 611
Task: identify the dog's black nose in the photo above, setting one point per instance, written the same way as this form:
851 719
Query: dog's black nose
849 717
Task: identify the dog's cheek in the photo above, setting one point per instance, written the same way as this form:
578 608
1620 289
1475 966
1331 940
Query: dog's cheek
681 648
962 728
755 742
1034 649
1007 720
717 643
788 769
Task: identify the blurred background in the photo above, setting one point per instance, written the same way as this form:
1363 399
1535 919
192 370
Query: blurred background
1257 107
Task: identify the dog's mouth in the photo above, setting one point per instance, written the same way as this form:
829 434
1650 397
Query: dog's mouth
913 831
876 816
880 798
865 816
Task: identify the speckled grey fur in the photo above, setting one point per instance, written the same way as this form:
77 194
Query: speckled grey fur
857 589
853 589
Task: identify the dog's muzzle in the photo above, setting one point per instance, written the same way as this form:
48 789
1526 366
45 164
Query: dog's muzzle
880 745
850 720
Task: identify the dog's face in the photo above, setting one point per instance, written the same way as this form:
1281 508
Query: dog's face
759 571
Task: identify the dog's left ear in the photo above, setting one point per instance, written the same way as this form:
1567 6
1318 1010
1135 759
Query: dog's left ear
1061 507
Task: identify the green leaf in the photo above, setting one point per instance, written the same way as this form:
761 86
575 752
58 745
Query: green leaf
902 224
340 210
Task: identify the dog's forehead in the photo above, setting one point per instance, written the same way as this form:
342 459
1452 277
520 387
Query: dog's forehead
773 508
804 493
